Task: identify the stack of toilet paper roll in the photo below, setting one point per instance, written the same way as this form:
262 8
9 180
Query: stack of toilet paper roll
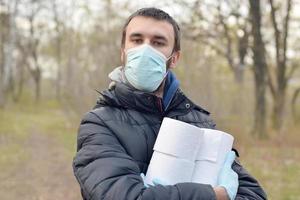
186 153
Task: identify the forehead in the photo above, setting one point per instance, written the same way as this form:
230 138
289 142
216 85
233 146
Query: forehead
148 26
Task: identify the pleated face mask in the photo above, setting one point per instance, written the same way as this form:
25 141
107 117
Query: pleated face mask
145 68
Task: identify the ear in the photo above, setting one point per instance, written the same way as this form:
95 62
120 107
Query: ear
174 59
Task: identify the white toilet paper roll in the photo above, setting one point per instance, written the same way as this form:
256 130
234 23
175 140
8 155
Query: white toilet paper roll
186 153
169 169
212 154
178 139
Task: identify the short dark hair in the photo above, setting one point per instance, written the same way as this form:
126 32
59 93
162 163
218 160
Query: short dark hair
157 14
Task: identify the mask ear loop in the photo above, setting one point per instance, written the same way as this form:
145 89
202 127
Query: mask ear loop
171 56
168 69
123 77
168 58
166 74
169 63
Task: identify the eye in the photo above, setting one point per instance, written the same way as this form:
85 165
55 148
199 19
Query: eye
158 43
137 41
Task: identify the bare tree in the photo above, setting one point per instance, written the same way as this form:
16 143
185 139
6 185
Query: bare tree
19 77
8 47
293 105
236 45
58 47
32 46
259 69
4 16
229 42
278 85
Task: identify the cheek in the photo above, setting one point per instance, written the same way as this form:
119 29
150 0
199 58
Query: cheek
129 44
166 51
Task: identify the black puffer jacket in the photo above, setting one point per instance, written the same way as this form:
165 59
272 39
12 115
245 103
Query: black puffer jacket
115 144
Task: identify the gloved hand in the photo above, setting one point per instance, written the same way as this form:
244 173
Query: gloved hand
155 181
143 177
229 178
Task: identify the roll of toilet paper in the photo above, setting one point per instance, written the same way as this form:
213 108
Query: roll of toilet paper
186 153
211 156
169 169
178 139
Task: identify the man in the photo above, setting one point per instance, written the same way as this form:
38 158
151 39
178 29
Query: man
116 138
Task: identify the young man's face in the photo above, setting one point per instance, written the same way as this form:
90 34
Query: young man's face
157 33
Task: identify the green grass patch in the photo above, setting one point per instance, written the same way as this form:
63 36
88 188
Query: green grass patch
11 155
19 121
58 126
276 168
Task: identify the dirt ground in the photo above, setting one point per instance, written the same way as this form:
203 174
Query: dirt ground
46 173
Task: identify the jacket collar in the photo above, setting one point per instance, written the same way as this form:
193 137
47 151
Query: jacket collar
171 86
125 96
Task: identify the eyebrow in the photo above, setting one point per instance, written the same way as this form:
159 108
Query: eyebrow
158 37
135 35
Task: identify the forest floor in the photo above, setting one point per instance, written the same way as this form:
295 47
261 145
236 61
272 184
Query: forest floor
38 143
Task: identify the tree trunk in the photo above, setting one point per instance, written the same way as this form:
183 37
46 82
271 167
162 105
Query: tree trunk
2 100
58 85
8 49
279 89
58 75
37 85
58 42
296 117
20 84
278 109
260 108
2 55
260 66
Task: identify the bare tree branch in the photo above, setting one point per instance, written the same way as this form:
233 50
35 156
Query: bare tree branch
293 104
276 32
285 37
228 53
286 28
271 82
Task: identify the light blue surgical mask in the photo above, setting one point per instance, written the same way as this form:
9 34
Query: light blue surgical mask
145 67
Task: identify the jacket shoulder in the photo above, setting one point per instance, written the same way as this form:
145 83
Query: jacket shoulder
101 114
198 116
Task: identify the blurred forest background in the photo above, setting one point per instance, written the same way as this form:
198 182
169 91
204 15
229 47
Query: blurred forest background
240 61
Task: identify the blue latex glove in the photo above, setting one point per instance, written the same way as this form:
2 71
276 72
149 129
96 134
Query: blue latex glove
155 181
229 178
143 177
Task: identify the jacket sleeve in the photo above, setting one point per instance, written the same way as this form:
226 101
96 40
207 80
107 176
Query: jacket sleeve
249 188
105 171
